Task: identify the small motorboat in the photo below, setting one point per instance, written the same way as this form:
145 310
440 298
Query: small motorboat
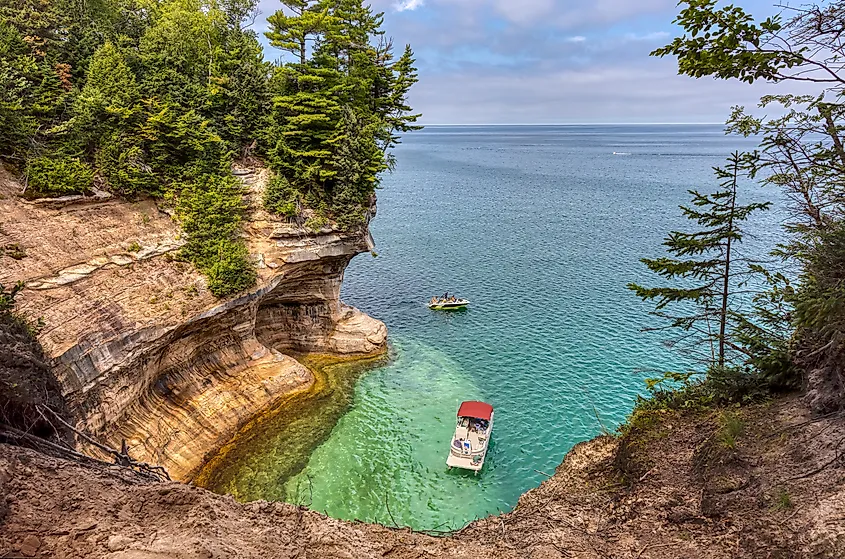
472 436
447 304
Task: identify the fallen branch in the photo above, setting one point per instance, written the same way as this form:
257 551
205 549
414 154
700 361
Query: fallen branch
823 466
390 514
120 458
831 415
9 432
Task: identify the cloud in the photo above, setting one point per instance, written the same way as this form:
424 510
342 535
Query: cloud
653 36
568 14
534 61
610 94
407 5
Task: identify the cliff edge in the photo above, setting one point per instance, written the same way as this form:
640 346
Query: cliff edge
142 350
673 486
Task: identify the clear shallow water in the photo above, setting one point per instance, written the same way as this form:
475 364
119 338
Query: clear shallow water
541 228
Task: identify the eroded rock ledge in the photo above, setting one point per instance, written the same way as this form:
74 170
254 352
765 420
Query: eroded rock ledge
144 352
676 493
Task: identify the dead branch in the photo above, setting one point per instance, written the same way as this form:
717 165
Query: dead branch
120 458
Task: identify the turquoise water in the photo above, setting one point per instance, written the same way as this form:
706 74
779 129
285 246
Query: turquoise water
541 228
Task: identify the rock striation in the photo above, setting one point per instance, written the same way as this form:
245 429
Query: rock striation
674 492
143 352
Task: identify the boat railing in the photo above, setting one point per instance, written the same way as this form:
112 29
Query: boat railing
472 450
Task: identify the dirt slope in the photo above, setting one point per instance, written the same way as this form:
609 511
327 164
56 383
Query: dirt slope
680 488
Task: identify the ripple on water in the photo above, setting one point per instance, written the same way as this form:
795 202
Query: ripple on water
390 448
541 228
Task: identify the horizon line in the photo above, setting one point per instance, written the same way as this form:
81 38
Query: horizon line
568 123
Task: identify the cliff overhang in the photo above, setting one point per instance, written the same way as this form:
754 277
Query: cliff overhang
143 352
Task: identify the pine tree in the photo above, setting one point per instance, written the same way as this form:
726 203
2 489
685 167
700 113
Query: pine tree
292 33
336 112
706 263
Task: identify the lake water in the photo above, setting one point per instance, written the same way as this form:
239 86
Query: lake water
541 227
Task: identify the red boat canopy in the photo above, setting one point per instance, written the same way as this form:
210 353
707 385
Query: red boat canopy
478 410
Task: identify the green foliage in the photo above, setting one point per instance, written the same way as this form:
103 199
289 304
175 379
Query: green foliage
719 386
122 163
765 334
706 263
782 500
336 114
17 72
802 153
14 251
158 98
281 198
210 210
7 297
7 309
727 43
48 176
731 428
316 223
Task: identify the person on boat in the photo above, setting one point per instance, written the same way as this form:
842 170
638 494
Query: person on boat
433 301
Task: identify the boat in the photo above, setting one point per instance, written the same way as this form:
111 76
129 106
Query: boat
472 436
447 304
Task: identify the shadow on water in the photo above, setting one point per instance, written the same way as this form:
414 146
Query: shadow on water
275 447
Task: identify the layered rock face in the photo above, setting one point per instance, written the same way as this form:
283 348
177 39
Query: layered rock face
143 351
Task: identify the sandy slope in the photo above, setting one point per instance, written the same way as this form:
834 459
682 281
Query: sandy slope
676 490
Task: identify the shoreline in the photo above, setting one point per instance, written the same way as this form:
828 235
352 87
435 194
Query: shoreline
302 419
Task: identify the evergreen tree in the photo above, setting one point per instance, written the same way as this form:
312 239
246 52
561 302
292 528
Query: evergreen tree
802 153
706 263
338 112
158 97
292 33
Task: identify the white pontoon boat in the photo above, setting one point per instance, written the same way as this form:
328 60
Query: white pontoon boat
472 436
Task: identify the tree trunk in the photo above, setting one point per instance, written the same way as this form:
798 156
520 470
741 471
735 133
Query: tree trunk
723 315
831 130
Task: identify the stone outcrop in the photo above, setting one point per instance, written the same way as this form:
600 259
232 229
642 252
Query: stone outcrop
676 493
143 351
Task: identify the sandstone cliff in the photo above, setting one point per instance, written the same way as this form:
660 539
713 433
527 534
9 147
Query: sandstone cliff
675 492
142 350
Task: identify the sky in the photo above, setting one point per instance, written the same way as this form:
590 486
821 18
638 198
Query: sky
551 62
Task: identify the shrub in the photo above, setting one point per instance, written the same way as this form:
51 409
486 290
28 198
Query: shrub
316 223
7 297
13 250
281 198
57 176
125 168
211 209
11 316
232 270
782 500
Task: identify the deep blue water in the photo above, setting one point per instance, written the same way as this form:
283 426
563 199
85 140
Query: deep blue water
541 227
